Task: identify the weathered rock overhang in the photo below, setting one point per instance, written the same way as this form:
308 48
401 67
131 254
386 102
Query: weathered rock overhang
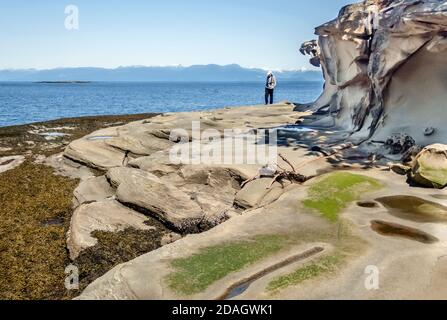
385 70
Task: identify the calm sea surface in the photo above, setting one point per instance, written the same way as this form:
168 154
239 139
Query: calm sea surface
22 103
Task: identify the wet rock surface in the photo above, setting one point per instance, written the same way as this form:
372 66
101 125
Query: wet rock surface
397 230
368 204
33 138
415 209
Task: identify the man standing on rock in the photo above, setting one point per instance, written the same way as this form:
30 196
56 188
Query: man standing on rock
270 88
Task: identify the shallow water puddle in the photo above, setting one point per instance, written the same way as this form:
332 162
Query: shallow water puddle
440 196
396 230
242 286
100 138
53 134
368 204
237 291
414 209
53 222
296 128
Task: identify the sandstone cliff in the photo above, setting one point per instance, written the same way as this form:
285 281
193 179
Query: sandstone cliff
385 67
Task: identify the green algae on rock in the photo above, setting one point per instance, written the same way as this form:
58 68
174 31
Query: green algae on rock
335 191
347 246
430 167
321 266
196 273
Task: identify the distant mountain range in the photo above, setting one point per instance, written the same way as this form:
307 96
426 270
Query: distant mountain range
194 73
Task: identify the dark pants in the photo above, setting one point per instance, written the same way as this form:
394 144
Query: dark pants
269 96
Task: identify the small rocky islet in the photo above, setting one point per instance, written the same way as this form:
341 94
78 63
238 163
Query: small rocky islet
359 183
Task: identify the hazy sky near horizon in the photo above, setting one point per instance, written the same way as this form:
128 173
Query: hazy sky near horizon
112 33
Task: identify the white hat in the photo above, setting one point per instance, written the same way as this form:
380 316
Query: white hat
269 73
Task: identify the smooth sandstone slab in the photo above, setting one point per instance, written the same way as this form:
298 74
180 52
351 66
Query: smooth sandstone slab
216 203
165 202
144 144
256 191
66 167
92 190
146 276
108 216
95 154
158 163
107 148
121 175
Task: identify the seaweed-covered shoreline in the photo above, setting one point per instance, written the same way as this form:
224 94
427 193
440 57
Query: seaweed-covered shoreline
36 211
50 137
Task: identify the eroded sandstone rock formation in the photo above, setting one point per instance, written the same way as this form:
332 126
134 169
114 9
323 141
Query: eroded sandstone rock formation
385 68
429 168
384 65
138 177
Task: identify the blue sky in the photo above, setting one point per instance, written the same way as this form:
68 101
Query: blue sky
112 33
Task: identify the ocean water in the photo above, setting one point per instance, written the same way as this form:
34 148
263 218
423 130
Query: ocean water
22 103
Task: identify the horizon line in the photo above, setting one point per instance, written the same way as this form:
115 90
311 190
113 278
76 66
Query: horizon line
301 69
